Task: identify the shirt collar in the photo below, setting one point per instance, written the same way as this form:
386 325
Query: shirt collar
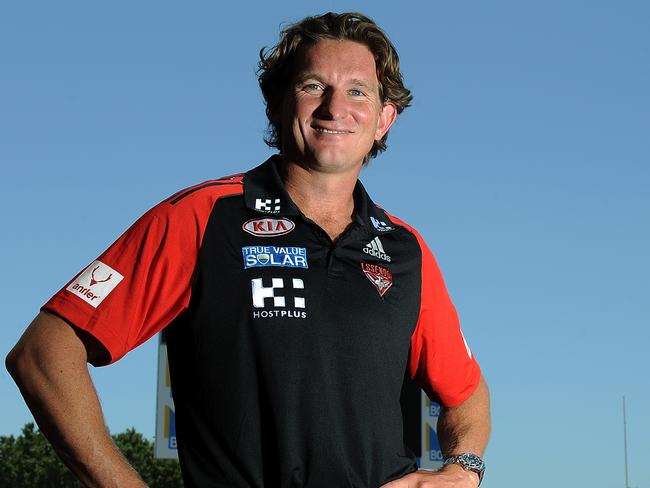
264 192
369 214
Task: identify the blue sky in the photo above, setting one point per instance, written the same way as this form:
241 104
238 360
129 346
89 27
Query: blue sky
524 162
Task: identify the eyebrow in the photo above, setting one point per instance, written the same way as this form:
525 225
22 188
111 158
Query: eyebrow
362 83
307 76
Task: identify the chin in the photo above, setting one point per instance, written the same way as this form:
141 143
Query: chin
336 160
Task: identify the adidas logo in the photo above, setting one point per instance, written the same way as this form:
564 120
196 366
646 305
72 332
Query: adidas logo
376 249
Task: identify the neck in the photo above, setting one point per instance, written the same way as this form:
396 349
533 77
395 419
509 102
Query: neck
325 198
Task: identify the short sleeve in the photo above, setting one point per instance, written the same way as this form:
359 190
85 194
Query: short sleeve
440 359
142 281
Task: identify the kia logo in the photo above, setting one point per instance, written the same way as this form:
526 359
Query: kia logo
268 227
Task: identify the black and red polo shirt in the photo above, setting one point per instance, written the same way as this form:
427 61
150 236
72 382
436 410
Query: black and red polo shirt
287 351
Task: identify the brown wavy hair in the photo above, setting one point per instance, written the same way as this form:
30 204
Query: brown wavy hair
276 64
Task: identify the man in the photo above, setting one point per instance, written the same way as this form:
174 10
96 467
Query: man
291 303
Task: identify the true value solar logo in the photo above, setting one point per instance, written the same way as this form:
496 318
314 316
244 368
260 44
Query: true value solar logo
287 257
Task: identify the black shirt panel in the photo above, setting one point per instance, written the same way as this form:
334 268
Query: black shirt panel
303 389
287 350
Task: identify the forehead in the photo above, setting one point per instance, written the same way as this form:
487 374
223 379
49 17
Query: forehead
334 58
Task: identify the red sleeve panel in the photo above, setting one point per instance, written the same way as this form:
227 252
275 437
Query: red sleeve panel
440 359
142 281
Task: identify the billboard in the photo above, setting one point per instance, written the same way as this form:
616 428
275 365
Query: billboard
431 453
165 444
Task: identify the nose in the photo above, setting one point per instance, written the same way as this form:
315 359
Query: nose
334 105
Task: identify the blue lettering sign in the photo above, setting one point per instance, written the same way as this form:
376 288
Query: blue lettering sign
287 257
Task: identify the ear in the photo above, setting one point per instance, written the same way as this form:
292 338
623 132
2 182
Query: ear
387 118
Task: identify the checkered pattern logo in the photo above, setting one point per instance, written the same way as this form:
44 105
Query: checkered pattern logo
263 293
269 205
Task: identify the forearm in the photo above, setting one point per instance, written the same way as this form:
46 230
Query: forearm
49 366
463 428
466 427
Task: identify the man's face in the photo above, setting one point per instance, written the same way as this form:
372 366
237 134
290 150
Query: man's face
332 113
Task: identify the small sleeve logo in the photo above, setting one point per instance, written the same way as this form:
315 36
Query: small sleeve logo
95 283
469 351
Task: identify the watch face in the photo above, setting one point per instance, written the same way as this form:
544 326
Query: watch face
471 461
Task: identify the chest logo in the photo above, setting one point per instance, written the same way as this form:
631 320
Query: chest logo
376 249
268 205
380 225
286 257
271 301
379 276
268 227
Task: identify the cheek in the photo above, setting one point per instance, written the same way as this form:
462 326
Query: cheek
299 114
305 110
369 117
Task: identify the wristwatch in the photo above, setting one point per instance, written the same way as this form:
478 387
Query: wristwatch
469 462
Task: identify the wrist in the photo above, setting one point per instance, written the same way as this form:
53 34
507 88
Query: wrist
468 462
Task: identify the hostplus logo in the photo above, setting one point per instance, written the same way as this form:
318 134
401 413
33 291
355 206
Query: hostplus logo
271 301
268 205
376 249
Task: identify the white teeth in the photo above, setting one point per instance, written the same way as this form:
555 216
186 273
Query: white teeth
327 131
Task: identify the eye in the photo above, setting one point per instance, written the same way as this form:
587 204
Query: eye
312 87
356 93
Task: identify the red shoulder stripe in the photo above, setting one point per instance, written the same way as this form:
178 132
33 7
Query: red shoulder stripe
226 180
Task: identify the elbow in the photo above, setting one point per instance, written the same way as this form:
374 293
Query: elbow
25 363
47 342
12 360
17 362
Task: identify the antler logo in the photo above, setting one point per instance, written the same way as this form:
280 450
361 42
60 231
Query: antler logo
94 281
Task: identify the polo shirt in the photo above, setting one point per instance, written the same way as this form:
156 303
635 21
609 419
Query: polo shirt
287 350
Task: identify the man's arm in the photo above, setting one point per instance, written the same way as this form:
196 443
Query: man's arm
463 428
49 365
466 427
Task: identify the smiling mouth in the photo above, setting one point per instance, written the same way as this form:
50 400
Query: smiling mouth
330 131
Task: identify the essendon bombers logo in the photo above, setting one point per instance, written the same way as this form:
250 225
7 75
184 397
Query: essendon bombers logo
268 227
379 276
95 283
